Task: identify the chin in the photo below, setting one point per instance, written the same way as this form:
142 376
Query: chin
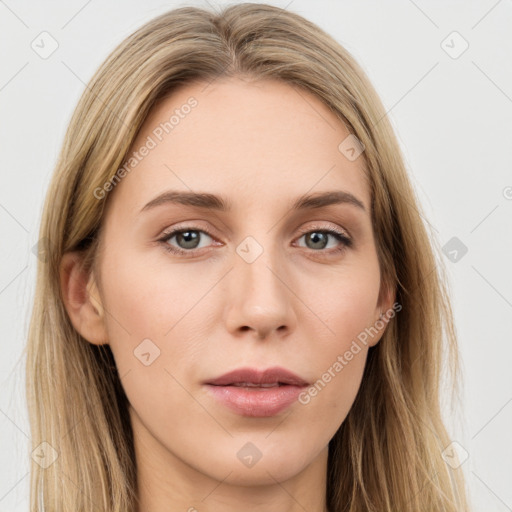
278 462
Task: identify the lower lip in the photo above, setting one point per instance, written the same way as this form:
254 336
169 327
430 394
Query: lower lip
259 402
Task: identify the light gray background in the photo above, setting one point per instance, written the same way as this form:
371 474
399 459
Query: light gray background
453 117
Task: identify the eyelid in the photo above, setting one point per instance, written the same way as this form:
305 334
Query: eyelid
321 227
184 226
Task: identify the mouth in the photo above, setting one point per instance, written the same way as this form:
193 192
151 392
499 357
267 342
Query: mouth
254 393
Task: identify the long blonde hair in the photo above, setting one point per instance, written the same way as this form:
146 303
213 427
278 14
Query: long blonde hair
387 454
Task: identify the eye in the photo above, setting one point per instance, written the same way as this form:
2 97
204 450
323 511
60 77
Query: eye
318 240
187 238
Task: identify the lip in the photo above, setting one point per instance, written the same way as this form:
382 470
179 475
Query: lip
267 393
273 375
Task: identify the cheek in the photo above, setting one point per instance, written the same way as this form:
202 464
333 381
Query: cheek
347 306
338 381
148 297
141 308
346 302
152 336
159 322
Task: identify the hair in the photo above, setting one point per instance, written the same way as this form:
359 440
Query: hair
387 454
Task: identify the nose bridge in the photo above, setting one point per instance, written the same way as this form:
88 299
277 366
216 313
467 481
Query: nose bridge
260 297
258 265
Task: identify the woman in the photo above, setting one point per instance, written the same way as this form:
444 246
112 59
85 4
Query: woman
291 361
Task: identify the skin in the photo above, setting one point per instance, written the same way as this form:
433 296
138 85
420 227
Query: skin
261 145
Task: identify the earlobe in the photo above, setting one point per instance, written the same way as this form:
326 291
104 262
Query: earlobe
82 300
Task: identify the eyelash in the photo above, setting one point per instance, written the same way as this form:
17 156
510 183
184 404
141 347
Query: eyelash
346 242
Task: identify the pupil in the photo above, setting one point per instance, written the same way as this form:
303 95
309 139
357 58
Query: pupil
315 237
193 235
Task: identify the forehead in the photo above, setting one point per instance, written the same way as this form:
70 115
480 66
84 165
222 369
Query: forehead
259 141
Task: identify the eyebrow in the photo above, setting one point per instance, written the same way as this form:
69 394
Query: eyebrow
214 202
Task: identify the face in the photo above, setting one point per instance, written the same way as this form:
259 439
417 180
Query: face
259 284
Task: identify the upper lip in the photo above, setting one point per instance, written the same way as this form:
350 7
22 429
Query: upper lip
274 375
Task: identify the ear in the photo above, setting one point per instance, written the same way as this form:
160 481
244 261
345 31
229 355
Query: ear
82 299
383 313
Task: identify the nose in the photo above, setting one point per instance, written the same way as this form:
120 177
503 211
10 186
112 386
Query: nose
260 296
